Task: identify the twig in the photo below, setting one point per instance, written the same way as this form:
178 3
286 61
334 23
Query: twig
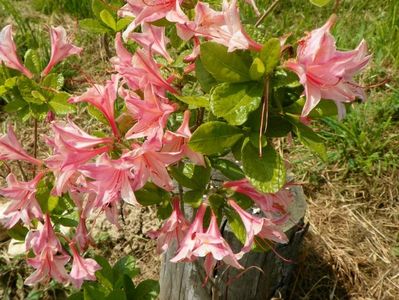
266 13
35 144
22 171
265 114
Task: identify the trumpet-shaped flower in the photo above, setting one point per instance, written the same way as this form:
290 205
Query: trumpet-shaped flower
214 247
174 229
11 149
48 264
113 180
151 114
102 98
24 205
60 48
8 52
325 72
178 141
82 268
221 27
254 226
147 12
271 202
152 38
190 241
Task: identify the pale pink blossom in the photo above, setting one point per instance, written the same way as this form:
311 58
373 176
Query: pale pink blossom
149 11
48 264
178 141
82 268
82 236
151 163
151 114
8 52
255 226
140 69
45 237
325 72
221 27
190 241
152 38
60 48
23 204
174 229
271 202
113 180
214 247
11 149
102 98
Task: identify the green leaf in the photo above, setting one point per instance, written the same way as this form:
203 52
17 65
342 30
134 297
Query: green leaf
151 194
18 232
228 168
147 290
270 54
257 69
234 101
194 101
93 25
11 82
126 265
123 23
37 95
60 105
266 173
53 81
95 113
205 79
46 201
76 296
191 176
224 66
98 6
15 105
164 211
193 198
105 275
214 137
320 3
26 86
108 19
32 61
236 225
309 138
278 127
91 292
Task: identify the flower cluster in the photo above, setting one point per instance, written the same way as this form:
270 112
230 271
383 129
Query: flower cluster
99 172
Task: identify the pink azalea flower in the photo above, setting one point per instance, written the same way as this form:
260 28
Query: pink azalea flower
152 38
150 163
190 241
48 264
8 52
82 268
151 114
39 240
82 236
271 202
147 12
221 27
113 179
213 247
178 141
174 229
102 98
140 69
24 205
60 48
11 149
254 226
325 72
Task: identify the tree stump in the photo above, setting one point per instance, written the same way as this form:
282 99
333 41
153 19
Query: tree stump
184 281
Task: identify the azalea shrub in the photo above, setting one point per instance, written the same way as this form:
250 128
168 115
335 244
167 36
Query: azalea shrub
194 114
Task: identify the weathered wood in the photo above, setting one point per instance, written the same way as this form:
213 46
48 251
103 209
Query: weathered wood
184 281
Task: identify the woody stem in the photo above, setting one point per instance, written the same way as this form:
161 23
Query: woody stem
265 114
266 13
